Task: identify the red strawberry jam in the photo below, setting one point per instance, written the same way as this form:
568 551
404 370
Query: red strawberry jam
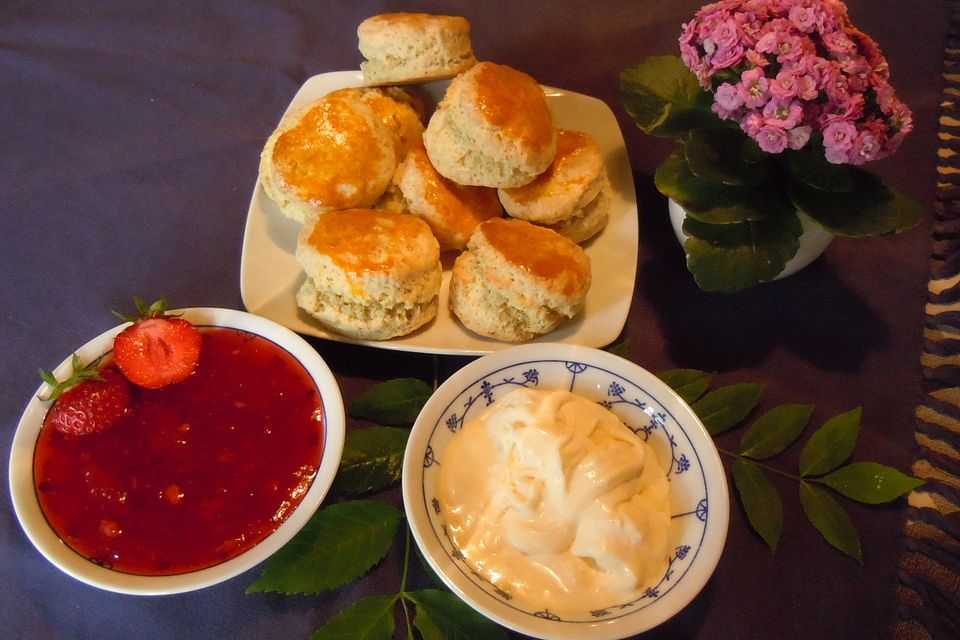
197 472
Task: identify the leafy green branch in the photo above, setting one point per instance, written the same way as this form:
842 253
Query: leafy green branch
822 471
344 541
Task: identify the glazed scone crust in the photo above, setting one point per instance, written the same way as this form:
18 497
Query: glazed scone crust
335 153
452 210
397 109
516 280
370 274
572 180
493 128
405 48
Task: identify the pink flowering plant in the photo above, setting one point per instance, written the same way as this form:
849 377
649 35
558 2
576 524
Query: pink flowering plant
776 105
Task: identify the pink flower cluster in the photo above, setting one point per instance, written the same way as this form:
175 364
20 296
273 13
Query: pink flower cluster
787 68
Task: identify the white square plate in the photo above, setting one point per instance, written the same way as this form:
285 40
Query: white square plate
270 275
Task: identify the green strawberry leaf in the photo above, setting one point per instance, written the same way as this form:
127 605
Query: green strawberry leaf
368 619
830 520
442 615
339 544
775 430
689 384
831 444
727 406
726 156
869 208
870 482
760 500
372 460
393 403
664 97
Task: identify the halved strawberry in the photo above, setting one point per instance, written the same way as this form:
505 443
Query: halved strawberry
157 349
89 401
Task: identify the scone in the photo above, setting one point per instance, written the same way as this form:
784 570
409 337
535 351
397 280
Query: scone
453 211
572 196
493 128
405 48
335 153
398 109
516 280
371 275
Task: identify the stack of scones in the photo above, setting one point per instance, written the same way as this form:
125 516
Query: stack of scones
380 194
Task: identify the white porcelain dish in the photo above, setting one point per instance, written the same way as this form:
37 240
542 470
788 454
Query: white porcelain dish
270 275
699 494
46 541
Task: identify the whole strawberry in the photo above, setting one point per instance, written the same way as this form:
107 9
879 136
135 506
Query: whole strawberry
89 401
157 349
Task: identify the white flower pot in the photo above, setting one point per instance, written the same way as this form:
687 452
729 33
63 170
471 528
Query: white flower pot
813 241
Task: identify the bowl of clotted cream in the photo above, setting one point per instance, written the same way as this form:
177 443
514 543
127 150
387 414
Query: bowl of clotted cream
565 492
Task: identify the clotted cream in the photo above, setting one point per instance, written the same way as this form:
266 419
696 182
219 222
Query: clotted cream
554 500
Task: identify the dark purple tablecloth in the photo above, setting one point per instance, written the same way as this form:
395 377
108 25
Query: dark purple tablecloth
129 140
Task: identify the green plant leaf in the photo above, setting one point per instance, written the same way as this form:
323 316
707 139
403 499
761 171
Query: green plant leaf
368 619
870 482
760 500
338 545
372 460
830 520
689 384
441 612
393 403
727 406
831 444
775 430
810 167
727 156
621 349
714 202
664 97
726 258
869 208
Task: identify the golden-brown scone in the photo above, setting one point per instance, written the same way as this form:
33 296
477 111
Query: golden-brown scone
405 48
453 211
572 196
371 274
335 153
398 109
493 128
517 280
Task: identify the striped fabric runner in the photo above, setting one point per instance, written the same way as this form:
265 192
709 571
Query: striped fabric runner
929 589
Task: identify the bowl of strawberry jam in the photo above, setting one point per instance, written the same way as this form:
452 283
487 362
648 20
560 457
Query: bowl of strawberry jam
199 480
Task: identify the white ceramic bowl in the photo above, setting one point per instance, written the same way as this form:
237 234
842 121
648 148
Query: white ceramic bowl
699 495
63 557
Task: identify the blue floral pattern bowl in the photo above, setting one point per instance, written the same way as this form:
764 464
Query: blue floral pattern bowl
699 494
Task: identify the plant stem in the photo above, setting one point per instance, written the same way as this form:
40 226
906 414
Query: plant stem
403 583
731 454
